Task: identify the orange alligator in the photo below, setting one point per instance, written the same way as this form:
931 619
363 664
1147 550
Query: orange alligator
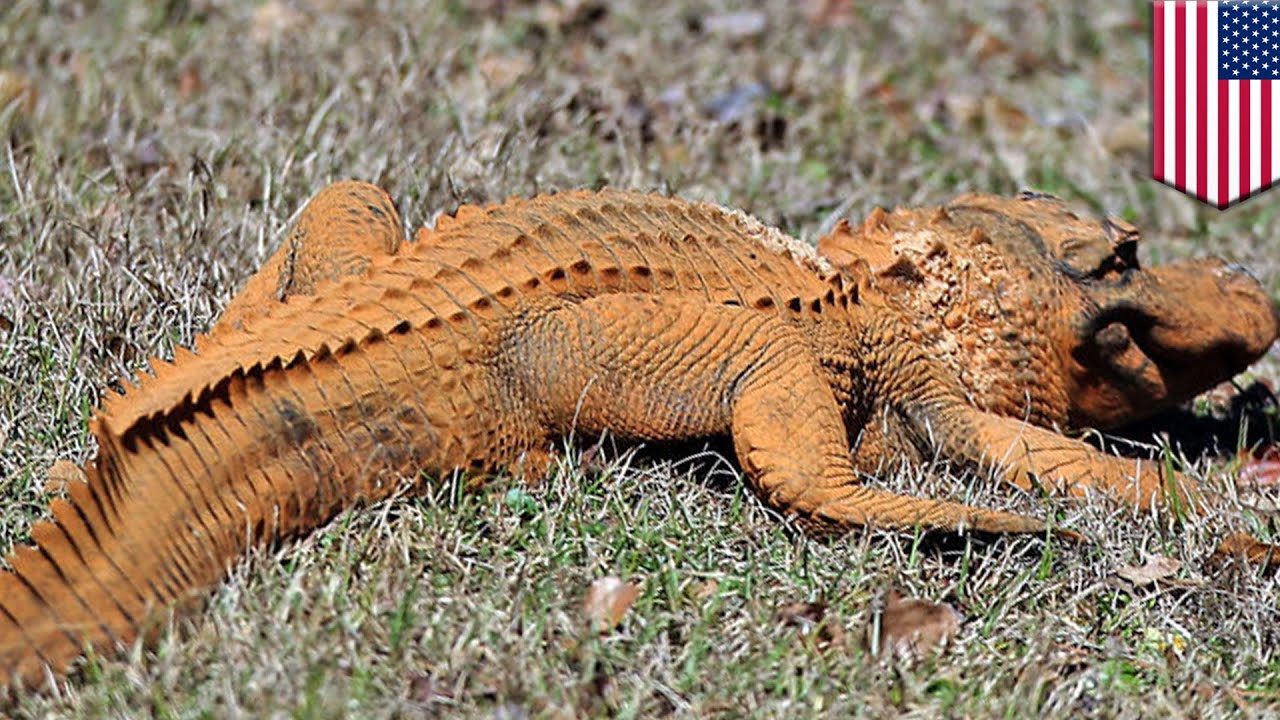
353 360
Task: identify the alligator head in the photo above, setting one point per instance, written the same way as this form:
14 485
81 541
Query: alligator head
1050 315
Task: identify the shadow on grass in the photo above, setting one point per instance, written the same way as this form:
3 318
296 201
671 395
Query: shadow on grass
1248 421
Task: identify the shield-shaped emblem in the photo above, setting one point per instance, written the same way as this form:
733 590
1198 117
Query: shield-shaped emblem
1214 111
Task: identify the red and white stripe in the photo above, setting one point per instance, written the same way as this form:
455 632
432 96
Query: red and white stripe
1213 139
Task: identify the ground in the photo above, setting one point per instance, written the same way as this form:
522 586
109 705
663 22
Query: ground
158 150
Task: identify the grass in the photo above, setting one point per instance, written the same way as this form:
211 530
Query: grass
169 144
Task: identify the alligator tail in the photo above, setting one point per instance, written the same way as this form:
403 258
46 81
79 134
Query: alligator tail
174 499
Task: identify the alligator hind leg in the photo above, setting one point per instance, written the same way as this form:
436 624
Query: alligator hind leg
653 368
342 229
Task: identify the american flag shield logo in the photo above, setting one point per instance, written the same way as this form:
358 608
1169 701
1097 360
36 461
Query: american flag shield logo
1214 111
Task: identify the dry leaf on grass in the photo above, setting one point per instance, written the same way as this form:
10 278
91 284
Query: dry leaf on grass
814 623
1252 550
1157 568
910 628
1261 470
607 602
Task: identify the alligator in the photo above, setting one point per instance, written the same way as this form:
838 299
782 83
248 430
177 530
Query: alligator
353 361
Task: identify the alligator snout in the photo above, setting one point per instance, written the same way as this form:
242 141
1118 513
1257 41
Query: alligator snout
1252 301
1169 332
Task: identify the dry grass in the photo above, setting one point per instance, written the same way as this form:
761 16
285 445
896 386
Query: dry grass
170 142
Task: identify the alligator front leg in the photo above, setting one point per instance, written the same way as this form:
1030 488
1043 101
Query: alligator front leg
933 407
1030 457
655 368
1022 454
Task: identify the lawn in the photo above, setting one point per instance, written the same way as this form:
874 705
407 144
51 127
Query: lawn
154 153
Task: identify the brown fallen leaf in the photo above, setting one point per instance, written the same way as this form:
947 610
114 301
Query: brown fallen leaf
1249 548
607 602
910 628
61 474
1261 469
1157 568
813 622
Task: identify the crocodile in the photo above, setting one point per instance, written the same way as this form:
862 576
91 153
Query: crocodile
353 360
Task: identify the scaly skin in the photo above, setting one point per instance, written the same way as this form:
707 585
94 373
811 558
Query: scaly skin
1046 315
351 362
